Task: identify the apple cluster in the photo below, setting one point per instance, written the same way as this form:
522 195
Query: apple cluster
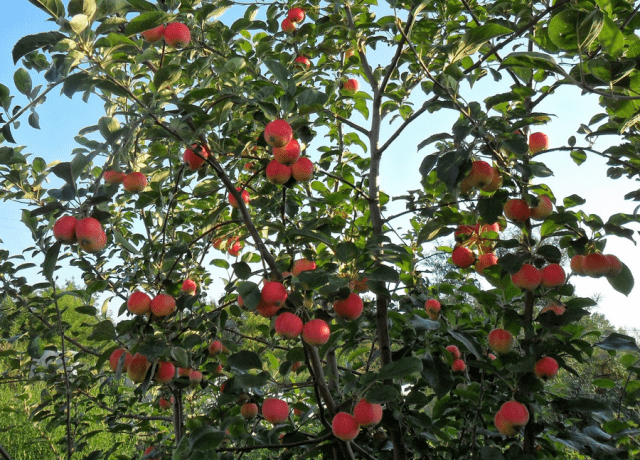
294 17
346 427
87 232
133 182
175 34
596 265
286 162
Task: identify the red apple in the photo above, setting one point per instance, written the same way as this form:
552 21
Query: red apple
528 277
165 372
64 229
177 35
192 159
288 154
458 366
316 332
576 264
511 416
454 350
501 341
538 142
516 209
432 306
243 194
288 325
153 35
164 404
553 275
345 426
351 85
195 377
249 411
273 293
215 348
555 308
113 177
302 170
278 133
91 237
267 310
234 246
463 257
481 174
543 210
275 410
138 303
496 182
593 265
302 265
615 266
288 26
303 61
367 414
189 287
349 308
138 368
485 261
295 15
546 368
163 305
134 182
114 359
277 173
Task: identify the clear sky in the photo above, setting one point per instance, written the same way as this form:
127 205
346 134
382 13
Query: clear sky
61 119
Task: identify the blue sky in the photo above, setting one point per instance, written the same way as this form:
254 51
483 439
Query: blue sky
61 119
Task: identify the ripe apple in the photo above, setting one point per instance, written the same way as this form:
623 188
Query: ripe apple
345 426
177 35
454 350
485 261
288 154
302 170
138 303
243 194
553 275
511 416
349 308
138 367
249 411
113 177
527 278
164 404
496 182
546 368
295 15
543 210
153 35
234 246
277 173
576 264
149 451
184 371
316 332
351 85
195 377
288 26
273 293
467 233
91 237
295 366
367 414
302 265
275 410
481 174
215 348
278 133
516 209
555 308
538 142
303 61
463 257
432 306
501 341
165 372
64 229
191 158
163 305
594 265
114 359
458 366
134 182
615 266
288 325
189 287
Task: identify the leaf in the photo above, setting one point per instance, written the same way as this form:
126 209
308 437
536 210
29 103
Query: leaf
611 38
50 260
400 368
22 80
6 133
63 171
383 273
532 60
421 324
242 270
434 138
103 331
167 75
469 342
33 42
618 342
579 405
250 293
346 251
245 360
437 374
578 156
380 394
490 453
124 242
280 72
34 120
79 22
54 7
490 208
427 164
474 38
311 98
35 347
623 282
250 380
145 21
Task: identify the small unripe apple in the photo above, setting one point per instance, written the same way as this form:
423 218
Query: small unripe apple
367 414
288 154
243 194
163 305
114 359
138 368
349 308
485 261
480 175
538 142
454 350
153 35
278 133
113 177
288 325
295 15
288 26
458 366
546 368
134 182
273 293
463 257
345 426
303 61
593 265
275 410
576 264
249 411
501 341
432 306
189 287
543 210
553 275
516 209
302 170
191 158
64 229
302 265
139 303
277 173
351 85
528 277
165 372
177 35
316 332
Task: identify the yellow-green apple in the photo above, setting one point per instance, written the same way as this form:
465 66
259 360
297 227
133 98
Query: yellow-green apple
138 367
546 368
302 265
538 142
64 229
278 133
288 154
273 293
177 35
113 177
288 26
243 194
295 15
234 246
351 85
458 365
195 377
516 209
555 308
481 174
454 350
192 159
162 305
485 261
165 372
615 266
501 341
139 303
511 416
463 257
189 287
432 306
249 410
367 414
594 265
91 237
553 275
345 426
349 308
527 278
303 61
153 35
543 210
275 410
277 173
114 359
215 348
576 264
496 182
316 332
288 325
302 170
134 182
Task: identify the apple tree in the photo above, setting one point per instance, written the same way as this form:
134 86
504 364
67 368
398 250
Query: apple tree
230 204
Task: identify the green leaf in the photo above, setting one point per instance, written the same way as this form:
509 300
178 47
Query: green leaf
421 324
469 342
34 120
63 171
491 208
22 80
623 282
611 38
346 251
35 347
103 331
579 405
53 7
400 368
573 200
245 360
250 293
50 260
6 133
474 38
380 394
124 242
437 374
578 156
242 270
383 273
604 383
167 75
532 60
311 99
79 22
490 453
280 72
33 42
145 21
618 342
251 381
